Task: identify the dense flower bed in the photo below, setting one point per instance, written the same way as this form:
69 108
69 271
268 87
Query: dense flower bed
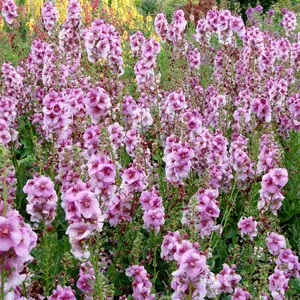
158 178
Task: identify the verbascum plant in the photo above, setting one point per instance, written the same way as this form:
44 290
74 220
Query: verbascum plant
122 13
125 12
86 10
1 24
61 6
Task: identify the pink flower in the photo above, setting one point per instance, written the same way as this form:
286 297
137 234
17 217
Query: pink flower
248 226
161 25
202 212
154 218
153 209
194 59
169 245
279 176
241 294
141 285
43 187
182 248
176 102
10 235
79 231
97 103
42 199
136 40
84 283
87 203
9 11
275 243
78 234
192 264
106 173
269 185
288 262
278 284
134 179
63 293
49 16
228 278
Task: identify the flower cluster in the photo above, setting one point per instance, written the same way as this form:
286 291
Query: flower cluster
13 80
42 199
134 179
62 293
50 16
222 23
228 278
219 167
102 41
116 135
248 226
8 178
153 210
141 285
56 114
192 271
289 21
168 154
86 278
102 172
9 11
193 276
178 158
7 119
268 157
174 31
17 239
202 212
287 265
176 102
136 41
270 193
177 27
194 59
144 68
161 25
84 215
239 158
69 35
97 103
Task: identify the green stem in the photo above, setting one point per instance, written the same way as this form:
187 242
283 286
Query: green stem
2 277
24 289
191 291
225 216
4 196
154 258
47 264
94 261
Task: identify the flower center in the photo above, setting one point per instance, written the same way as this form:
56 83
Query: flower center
4 231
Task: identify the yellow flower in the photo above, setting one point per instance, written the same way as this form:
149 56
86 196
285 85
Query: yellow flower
36 6
155 36
114 5
30 24
105 4
61 6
